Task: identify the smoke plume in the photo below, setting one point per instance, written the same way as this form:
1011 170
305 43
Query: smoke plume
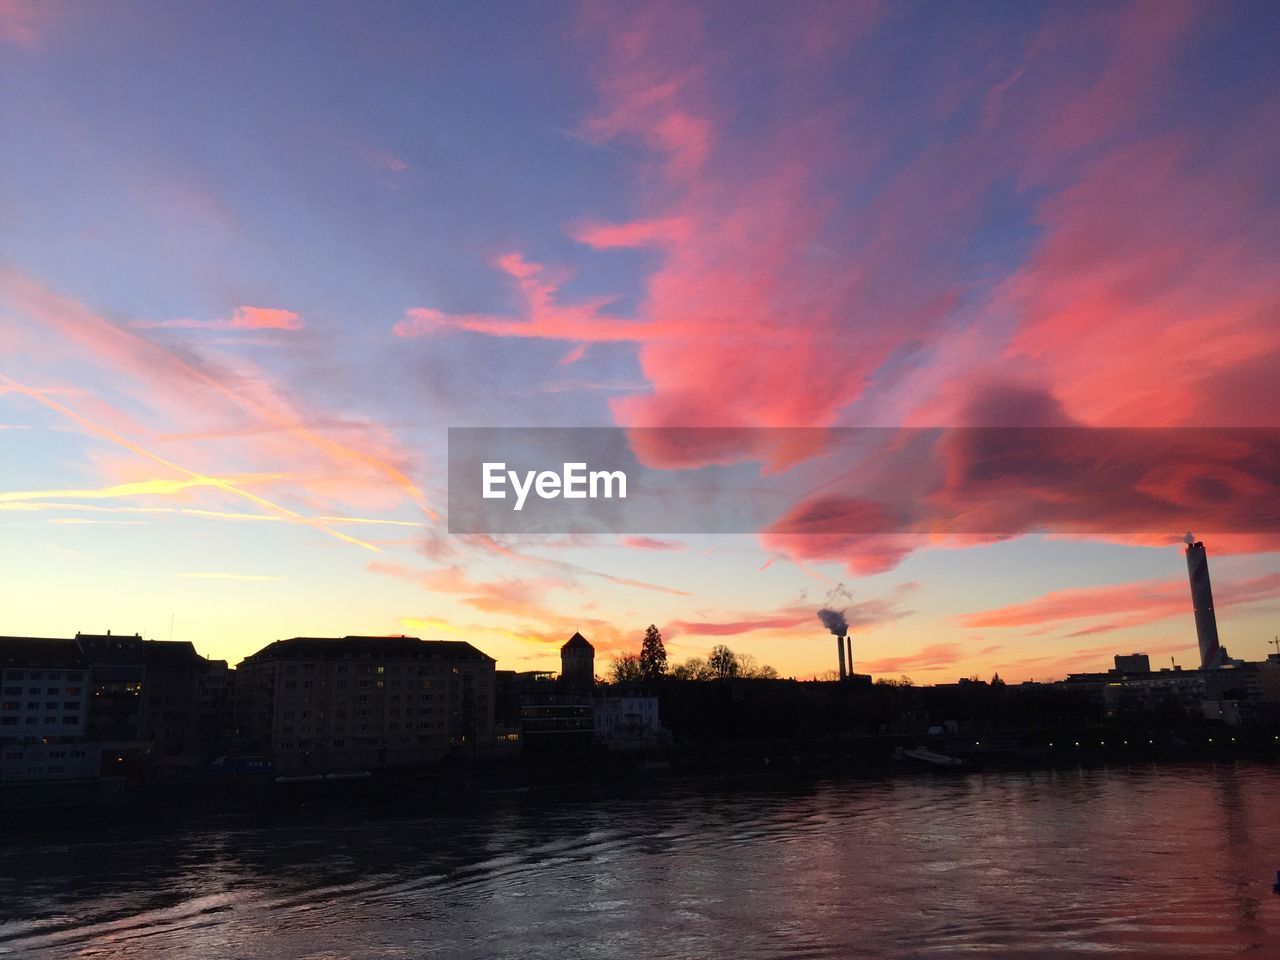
834 621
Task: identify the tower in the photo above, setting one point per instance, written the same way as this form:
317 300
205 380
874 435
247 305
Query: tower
1211 652
578 663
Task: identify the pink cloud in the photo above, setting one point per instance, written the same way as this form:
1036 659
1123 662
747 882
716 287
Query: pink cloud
1125 605
651 543
574 355
542 316
862 615
22 22
244 318
933 656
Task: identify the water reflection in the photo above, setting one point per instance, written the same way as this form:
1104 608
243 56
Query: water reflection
1147 862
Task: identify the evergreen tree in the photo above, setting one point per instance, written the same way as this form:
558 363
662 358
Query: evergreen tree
653 655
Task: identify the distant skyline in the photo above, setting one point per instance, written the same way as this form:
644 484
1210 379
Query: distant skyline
253 265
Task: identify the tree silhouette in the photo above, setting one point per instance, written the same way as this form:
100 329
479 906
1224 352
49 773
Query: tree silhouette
723 662
653 655
695 668
626 669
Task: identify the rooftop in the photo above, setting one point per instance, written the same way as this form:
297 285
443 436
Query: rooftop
577 642
366 648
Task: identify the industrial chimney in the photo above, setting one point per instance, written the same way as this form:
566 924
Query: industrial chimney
840 651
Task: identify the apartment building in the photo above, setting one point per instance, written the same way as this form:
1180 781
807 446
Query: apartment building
329 704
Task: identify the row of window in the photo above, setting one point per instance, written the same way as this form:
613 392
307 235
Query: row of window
49 705
422 725
363 712
68 720
340 742
40 675
52 755
47 691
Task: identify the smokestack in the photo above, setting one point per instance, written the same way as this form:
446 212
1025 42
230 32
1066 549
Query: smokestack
1211 653
849 642
834 621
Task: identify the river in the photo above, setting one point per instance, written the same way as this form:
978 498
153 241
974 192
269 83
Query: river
1161 861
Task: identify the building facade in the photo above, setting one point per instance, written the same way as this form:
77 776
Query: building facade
626 720
71 707
331 704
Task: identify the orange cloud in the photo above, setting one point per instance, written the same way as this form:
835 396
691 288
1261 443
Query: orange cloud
216 396
1136 603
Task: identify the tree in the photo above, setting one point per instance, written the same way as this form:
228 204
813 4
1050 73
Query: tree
653 655
723 662
750 669
695 668
626 668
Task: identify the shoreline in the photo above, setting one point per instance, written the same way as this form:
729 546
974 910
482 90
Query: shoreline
109 801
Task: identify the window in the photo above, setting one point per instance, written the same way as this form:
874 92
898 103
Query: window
30 721
8 721
70 720
13 691
70 705
73 691
53 691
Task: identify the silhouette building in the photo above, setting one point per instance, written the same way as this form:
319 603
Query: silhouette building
1133 663
347 703
1212 654
578 663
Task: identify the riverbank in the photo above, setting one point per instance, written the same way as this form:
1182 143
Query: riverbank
465 781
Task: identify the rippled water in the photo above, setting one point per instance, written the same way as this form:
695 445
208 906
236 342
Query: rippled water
1150 862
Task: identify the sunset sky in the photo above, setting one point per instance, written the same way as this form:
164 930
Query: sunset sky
256 259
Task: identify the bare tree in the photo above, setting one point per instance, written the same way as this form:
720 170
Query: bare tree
723 662
695 668
626 668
